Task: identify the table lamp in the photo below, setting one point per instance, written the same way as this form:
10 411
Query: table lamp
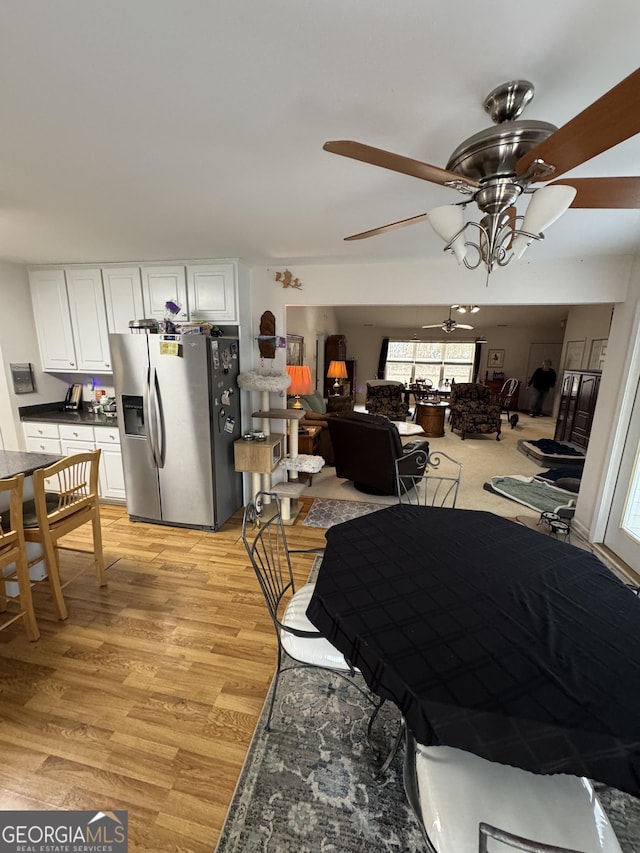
300 382
337 370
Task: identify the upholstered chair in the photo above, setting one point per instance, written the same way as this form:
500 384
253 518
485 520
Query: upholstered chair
385 397
471 410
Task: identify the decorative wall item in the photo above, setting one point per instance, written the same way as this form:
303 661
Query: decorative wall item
267 339
295 347
575 350
495 358
598 353
288 280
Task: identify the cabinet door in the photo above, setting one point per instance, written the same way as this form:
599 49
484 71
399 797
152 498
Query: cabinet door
53 320
88 319
111 473
211 291
44 445
122 296
161 284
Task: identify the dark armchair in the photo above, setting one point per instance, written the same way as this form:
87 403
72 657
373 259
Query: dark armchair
386 398
471 410
365 450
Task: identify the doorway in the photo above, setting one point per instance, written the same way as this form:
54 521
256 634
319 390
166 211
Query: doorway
622 534
537 354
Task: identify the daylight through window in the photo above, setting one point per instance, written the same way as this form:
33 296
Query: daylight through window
411 361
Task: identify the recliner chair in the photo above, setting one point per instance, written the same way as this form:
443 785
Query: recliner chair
365 449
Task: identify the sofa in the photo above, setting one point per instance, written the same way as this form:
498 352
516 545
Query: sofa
365 449
316 415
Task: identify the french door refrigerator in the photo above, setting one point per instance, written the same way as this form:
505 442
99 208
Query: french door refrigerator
178 414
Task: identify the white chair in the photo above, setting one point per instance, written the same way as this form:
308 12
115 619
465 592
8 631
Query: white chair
505 397
465 804
436 486
264 537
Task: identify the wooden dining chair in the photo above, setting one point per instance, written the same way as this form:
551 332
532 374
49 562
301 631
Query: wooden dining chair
65 497
13 558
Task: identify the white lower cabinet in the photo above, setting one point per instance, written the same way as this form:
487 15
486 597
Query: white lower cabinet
65 439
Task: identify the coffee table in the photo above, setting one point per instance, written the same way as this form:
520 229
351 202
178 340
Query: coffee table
406 428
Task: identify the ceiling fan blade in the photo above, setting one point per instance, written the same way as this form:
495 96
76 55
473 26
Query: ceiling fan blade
463 326
433 326
605 193
400 224
395 162
608 121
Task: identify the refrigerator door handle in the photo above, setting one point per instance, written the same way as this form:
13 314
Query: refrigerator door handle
146 409
155 421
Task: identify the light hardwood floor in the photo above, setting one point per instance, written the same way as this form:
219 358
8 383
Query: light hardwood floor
147 696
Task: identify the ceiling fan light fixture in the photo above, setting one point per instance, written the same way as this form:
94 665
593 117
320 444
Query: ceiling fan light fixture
546 206
466 309
448 223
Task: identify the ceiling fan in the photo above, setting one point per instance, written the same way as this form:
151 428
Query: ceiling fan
449 325
494 167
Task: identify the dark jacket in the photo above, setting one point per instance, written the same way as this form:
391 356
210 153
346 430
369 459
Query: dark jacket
542 380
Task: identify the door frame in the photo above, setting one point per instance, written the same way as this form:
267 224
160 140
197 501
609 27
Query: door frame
619 433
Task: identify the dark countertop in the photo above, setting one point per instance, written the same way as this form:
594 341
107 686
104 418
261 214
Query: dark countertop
14 462
54 413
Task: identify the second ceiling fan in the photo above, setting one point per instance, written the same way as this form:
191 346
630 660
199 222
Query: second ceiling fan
449 325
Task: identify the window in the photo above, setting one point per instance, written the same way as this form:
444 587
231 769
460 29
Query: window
408 361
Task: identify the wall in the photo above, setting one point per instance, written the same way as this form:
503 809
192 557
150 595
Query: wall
363 344
309 321
18 344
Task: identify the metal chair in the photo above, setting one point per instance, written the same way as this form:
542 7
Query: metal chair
65 497
462 801
505 396
13 557
264 537
437 486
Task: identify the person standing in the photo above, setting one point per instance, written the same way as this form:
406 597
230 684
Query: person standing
543 379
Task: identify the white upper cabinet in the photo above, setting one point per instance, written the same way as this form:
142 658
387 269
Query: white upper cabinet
161 285
211 290
88 319
122 296
53 320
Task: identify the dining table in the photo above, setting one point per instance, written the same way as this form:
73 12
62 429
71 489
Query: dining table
490 637
13 462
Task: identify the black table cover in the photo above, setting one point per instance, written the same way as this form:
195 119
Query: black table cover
489 637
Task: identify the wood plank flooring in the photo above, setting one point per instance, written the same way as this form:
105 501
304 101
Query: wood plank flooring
147 696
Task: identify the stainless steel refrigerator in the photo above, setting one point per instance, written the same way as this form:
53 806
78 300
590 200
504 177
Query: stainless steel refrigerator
178 413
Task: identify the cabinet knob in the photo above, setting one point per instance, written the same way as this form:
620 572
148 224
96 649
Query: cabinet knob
107 365
42 447
76 434
40 431
111 435
72 364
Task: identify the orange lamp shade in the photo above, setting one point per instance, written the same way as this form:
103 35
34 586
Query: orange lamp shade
337 370
300 379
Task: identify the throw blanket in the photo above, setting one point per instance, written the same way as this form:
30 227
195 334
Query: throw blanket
549 446
531 492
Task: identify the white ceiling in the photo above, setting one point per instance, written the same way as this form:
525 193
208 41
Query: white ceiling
165 129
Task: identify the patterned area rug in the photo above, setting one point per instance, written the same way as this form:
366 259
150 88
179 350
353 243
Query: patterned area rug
326 512
308 785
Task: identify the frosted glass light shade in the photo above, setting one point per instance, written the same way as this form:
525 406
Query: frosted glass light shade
446 221
546 205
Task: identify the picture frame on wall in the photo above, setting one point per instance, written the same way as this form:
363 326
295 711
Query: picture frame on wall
575 351
295 349
598 353
495 358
